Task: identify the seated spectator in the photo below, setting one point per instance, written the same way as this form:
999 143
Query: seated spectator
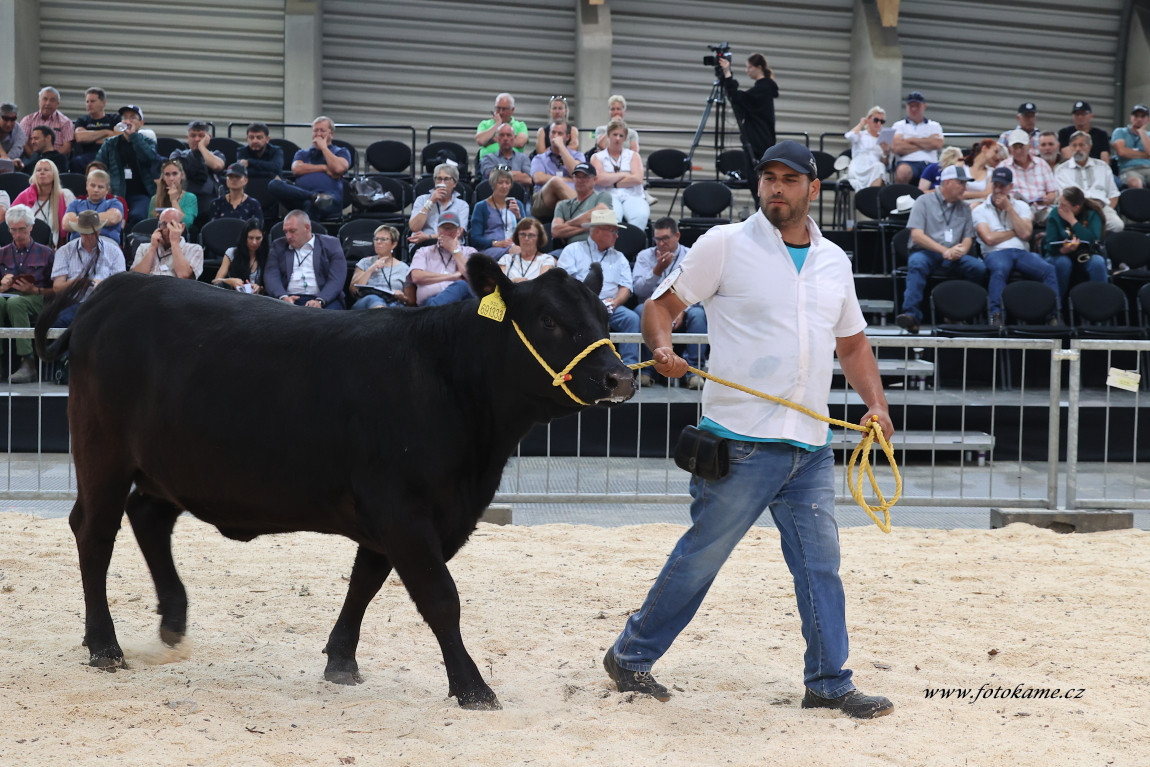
1003 225
168 254
319 172
551 173
12 137
439 270
173 192
40 146
26 267
262 158
504 112
5 202
559 113
429 208
651 267
928 181
572 214
868 156
47 199
303 268
518 162
616 110
236 203
92 257
243 266
108 208
916 141
1048 148
525 260
941 236
129 156
980 161
92 129
201 165
1132 146
599 248
49 114
619 171
1074 232
1082 117
1027 123
1091 176
493 220
1033 179
381 280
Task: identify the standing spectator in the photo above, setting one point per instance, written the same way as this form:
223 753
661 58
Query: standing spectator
494 220
26 267
47 199
619 171
941 235
12 136
99 199
173 192
868 155
429 208
1048 148
91 257
262 158
559 113
1027 122
1073 233
41 146
518 162
526 260
381 280
92 129
236 203
305 269
168 254
49 114
319 172
1091 176
439 269
504 112
1082 116
1132 146
616 110
129 156
755 107
572 214
1033 180
916 141
243 266
551 172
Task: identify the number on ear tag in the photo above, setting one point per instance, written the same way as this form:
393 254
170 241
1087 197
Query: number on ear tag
492 307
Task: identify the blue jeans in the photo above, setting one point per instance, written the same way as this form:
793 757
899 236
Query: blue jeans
798 487
694 321
919 267
137 212
1030 265
371 301
1095 270
456 291
624 320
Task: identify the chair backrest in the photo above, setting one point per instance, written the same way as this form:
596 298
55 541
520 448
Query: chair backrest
14 183
1128 247
707 199
277 230
289 149
1097 303
389 156
668 163
960 301
1028 301
825 163
219 235
867 202
440 151
76 183
631 241
483 191
1134 204
733 164
41 233
900 245
165 145
359 229
226 146
351 150
1144 305
888 196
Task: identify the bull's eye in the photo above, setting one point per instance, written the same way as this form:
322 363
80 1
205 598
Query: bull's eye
548 322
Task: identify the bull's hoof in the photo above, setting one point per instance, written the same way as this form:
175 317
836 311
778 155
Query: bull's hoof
343 677
480 701
170 637
108 662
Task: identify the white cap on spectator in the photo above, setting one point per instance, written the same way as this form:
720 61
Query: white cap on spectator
1017 136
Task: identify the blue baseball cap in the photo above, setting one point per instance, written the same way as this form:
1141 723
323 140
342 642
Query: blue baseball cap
792 154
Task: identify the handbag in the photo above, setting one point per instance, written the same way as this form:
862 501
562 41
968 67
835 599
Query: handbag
702 453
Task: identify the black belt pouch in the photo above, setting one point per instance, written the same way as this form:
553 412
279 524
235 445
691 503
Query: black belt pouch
702 453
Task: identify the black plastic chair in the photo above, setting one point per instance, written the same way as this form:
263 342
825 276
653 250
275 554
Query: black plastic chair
219 235
76 183
14 183
631 240
359 231
441 151
1144 307
732 166
41 233
669 168
961 309
1134 206
225 146
165 145
277 230
1100 310
705 200
391 158
289 149
1027 307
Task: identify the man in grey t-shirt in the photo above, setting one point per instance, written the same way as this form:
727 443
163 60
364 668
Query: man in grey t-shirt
941 236
572 215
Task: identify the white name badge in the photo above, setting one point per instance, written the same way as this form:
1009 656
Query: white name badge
127 174
948 235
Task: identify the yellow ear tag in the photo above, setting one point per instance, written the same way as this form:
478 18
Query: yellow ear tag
492 307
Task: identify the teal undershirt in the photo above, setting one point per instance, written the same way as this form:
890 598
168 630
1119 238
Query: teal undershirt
799 256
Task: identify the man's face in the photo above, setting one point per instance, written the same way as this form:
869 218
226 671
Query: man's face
584 184
604 237
1020 153
1001 188
196 137
558 110
49 103
1027 121
21 235
504 137
97 190
322 129
38 141
915 110
6 123
1080 149
1082 119
89 241
1048 146
257 141
559 131
952 190
448 232
296 232
785 194
94 105
666 241
503 109
1139 120
168 218
132 120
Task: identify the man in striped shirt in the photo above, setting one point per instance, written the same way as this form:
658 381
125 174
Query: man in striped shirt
1034 181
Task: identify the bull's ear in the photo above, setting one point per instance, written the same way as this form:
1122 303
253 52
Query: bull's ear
594 279
485 275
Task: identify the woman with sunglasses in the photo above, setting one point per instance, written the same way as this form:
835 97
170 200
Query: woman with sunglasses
559 113
524 260
868 155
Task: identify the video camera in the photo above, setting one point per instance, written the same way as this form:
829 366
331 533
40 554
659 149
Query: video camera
722 51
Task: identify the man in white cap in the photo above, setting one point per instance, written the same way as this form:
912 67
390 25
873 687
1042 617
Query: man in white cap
26 268
1034 181
599 248
91 256
1132 146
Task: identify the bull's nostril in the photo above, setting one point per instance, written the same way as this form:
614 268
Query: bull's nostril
611 382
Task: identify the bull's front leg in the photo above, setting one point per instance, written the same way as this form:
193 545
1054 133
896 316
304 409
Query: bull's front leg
367 576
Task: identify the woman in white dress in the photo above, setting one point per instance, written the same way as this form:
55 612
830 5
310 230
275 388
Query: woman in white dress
619 170
868 156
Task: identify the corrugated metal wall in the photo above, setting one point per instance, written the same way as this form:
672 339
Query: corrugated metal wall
977 60
211 59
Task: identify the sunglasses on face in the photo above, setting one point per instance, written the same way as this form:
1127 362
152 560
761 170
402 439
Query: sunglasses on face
8 118
879 120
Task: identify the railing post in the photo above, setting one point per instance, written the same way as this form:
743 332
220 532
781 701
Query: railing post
1075 358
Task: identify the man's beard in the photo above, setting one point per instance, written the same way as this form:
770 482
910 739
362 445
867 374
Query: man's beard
1080 157
781 217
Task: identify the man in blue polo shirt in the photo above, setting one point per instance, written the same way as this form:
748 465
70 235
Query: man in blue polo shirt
100 200
319 172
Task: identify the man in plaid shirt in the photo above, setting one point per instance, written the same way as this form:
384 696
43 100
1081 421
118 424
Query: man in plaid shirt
1034 181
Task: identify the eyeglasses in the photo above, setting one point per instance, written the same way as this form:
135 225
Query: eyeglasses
879 120
664 238
8 118
381 239
528 236
443 179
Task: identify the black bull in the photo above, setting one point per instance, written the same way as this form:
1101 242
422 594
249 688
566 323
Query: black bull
390 427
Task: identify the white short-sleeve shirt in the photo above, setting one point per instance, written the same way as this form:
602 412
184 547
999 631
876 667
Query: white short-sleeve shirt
924 129
999 221
771 327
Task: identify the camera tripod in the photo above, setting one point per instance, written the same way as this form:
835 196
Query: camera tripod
718 101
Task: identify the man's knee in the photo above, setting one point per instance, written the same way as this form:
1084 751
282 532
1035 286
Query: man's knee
625 320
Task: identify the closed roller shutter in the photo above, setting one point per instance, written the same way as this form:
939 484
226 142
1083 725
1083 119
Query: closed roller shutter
976 61
219 61
441 62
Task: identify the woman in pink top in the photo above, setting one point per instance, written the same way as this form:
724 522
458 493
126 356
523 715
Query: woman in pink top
47 199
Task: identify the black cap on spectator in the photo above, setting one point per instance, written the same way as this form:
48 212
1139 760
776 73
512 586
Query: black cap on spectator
237 169
585 168
914 96
1002 176
1027 107
1139 108
1082 106
792 154
131 108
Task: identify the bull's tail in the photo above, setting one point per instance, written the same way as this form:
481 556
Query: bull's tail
70 296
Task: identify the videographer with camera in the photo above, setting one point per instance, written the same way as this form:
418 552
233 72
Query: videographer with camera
754 107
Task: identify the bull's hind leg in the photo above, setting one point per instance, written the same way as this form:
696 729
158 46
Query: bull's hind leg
95 520
367 576
152 522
